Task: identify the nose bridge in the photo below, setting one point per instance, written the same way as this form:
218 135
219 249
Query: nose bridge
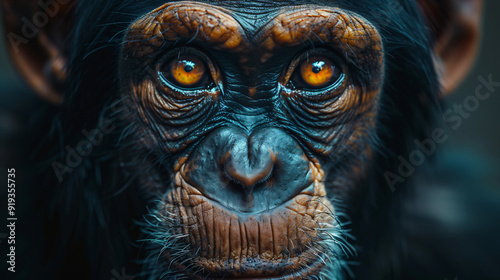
253 86
251 100
252 120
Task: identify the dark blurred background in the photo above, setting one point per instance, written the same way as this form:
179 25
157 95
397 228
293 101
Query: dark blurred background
478 137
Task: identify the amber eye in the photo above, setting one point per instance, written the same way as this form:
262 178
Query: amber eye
187 71
316 73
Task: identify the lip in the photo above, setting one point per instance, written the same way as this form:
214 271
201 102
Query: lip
235 245
312 269
261 269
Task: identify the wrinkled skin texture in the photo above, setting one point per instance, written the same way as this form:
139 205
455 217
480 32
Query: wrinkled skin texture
248 197
242 140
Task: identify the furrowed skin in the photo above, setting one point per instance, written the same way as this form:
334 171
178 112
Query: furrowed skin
298 235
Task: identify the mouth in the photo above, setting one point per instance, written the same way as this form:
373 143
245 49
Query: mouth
302 274
206 240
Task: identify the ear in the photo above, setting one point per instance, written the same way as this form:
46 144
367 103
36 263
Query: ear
455 27
35 33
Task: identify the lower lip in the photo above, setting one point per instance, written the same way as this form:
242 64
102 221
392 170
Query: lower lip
276 278
253 278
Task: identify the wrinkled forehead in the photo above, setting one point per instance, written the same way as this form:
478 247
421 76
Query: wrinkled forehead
239 28
253 15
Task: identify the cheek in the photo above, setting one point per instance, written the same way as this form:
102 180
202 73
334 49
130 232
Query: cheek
167 120
335 127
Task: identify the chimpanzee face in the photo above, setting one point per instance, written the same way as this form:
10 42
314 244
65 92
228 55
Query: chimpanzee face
258 111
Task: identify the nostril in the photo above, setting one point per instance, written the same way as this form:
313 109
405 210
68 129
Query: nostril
248 180
240 170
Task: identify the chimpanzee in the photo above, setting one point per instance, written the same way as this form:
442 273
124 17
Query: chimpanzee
244 140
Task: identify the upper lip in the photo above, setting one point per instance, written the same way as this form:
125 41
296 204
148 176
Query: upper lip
309 187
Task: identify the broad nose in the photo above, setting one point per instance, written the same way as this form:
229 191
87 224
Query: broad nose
248 173
249 160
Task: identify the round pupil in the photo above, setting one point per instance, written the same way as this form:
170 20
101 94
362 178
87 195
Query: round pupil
189 66
317 66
